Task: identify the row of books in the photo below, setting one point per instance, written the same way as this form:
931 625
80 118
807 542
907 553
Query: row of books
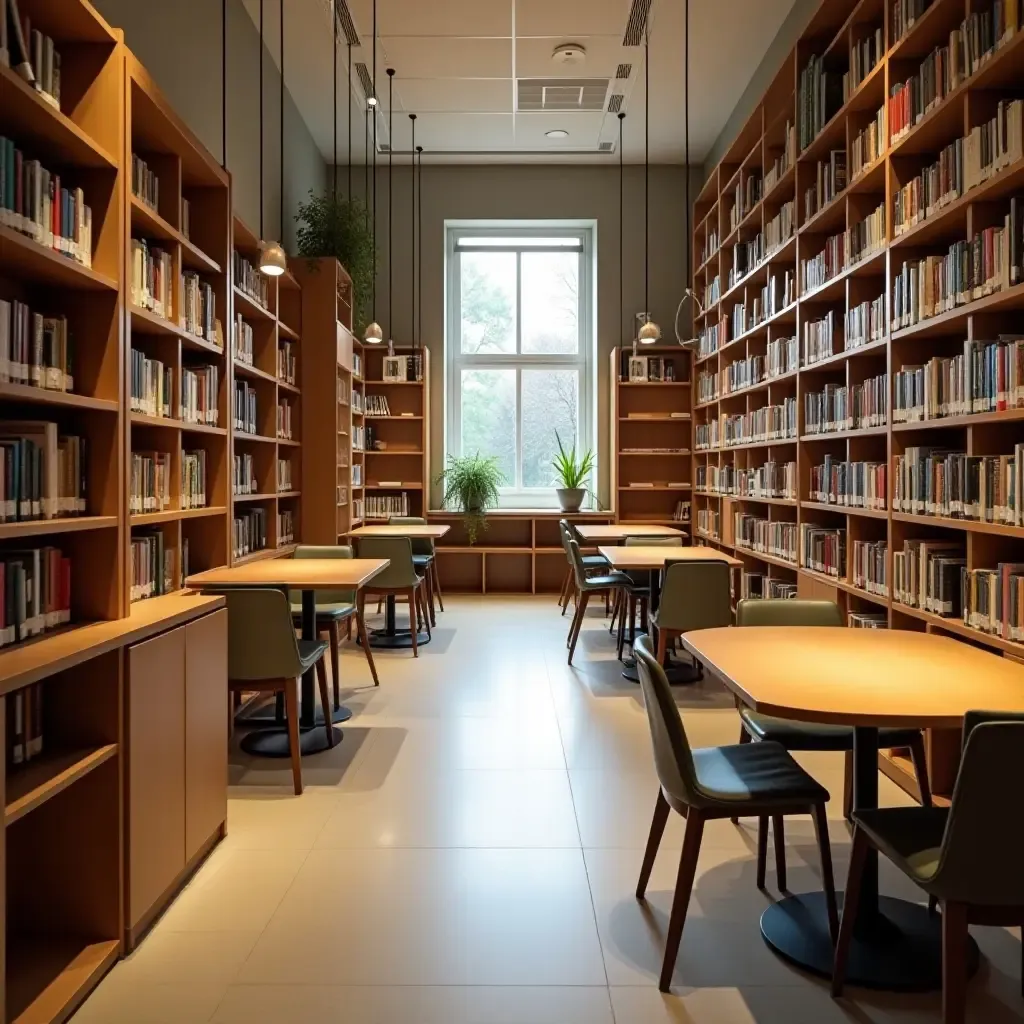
243 475
746 196
743 373
199 309
782 356
783 161
993 600
829 180
926 574
34 349
708 339
151 385
357 365
988 376
739 321
149 482
243 347
862 239
905 14
770 480
193 479
377 405
357 401
145 183
865 323
403 368
712 291
152 278
769 423
681 513
930 190
35 203
708 522
848 484
248 532
707 387
286 362
245 408
152 565
766 536
707 435
777 293
35 593
779 229
30 52
865 54
817 341
820 95
357 509
357 474
761 586
24 711
867 620
43 474
249 280
746 256
867 145
200 386
847 407
284 420
284 475
383 506
710 245
870 566
955 485
823 549
285 526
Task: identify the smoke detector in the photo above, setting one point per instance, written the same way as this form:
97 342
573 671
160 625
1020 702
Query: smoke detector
569 55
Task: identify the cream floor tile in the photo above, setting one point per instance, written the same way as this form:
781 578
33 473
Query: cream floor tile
433 917
432 807
315 1004
234 890
276 820
120 1001
168 957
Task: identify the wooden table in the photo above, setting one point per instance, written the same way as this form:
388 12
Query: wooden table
391 637
308 575
620 531
864 678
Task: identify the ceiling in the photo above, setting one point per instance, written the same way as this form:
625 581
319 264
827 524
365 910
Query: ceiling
482 79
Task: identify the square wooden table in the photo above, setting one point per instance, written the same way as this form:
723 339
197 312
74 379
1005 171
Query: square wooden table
308 575
620 531
866 679
431 531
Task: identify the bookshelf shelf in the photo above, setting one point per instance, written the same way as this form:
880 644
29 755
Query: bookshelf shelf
248 370
845 510
20 254
969 525
43 527
68 399
49 775
250 307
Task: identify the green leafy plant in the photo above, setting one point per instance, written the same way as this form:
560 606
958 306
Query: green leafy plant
573 471
338 226
471 486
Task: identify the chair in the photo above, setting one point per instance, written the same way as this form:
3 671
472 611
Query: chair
810 735
334 607
716 782
399 578
967 856
586 586
592 563
637 592
424 560
264 656
694 595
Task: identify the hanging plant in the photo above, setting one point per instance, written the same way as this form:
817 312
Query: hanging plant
338 226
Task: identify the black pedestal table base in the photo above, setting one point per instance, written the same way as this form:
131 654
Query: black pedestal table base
274 742
266 717
390 637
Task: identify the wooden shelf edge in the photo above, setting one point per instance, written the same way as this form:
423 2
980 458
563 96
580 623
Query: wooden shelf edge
31 786
42 527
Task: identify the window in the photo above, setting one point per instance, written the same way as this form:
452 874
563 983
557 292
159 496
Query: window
520 350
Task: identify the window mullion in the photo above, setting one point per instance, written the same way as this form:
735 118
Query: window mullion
519 428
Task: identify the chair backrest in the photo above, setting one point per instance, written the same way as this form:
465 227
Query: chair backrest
695 595
401 573
576 561
983 845
654 542
672 758
420 545
795 612
325 551
563 531
261 636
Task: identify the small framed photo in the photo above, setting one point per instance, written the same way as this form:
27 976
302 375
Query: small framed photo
394 368
637 368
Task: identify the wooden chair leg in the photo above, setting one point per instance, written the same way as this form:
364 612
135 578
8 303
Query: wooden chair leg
658 823
428 584
920 759
848 784
662 645
566 590
851 900
325 700
616 610
291 706
380 604
424 604
954 962
779 834
681 900
437 583
414 623
348 629
827 878
581 610
334 634
363 638
762 852
572 625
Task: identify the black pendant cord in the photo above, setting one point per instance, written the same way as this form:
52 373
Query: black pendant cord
647 168
366 167
280 236
348 121
261 120
224 81
622 309
419 252
373 86
412 178
686 132
391 219
334 165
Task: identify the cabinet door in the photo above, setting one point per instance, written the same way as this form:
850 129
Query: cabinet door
156 769
206 729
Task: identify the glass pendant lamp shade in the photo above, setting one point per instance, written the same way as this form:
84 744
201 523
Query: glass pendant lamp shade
273 261
373 334
650 332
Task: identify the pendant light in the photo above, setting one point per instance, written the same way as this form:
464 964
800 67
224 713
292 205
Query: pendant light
273 261
419 248
373 335
622 226
412 218
649 331
391 218
224 81
334 120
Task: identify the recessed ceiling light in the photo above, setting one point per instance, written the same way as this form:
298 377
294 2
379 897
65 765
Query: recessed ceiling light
557 133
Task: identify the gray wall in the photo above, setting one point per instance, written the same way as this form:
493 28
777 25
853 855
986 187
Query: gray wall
179 42
495 192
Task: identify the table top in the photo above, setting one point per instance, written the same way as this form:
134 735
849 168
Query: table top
620 531
298 573
640 557
433 531
869 677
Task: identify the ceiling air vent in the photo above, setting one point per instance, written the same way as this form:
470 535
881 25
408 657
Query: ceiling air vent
624 71
346 26
364 79
605 147
638 14
561 94
615 103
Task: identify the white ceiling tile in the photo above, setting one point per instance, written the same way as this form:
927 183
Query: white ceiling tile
464 132
460 95
434 18
603 55
416 57
569 17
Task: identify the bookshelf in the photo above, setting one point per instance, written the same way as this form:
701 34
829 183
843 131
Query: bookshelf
267 406
651 438
813 348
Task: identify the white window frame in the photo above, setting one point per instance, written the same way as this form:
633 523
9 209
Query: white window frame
584 361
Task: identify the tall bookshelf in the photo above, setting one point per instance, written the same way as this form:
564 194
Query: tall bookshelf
732 210
265 327
651 438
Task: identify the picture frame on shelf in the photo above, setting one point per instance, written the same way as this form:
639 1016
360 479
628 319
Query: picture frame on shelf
638 369
395 370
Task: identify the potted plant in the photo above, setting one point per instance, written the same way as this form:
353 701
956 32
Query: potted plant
471 486
338 226
573 473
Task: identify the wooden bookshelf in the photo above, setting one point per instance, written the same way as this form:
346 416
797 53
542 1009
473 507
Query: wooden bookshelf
833 30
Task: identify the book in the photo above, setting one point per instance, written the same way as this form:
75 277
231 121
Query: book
18 52
34 349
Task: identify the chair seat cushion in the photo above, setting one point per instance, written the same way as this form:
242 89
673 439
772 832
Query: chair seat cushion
594 562
310 652
326 611
754 773
814 735
422 560
911 837
604 582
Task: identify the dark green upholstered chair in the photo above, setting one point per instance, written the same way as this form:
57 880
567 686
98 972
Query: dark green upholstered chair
591 563
716 782
637 593
423 557
586 586
398 579
264 656
333 609
966 856
810 735
694 595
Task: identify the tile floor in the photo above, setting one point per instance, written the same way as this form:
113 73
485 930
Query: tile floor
468 855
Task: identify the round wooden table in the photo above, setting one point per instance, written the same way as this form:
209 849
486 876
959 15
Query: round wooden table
864 678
